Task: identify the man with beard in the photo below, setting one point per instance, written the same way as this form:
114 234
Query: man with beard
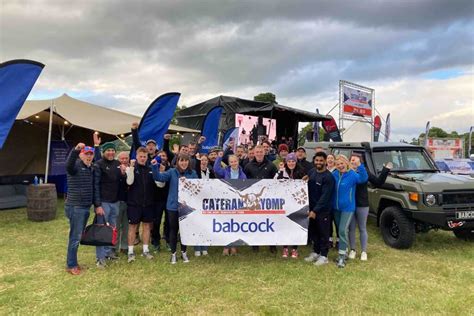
320 190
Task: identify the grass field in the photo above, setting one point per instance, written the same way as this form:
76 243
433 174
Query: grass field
435 276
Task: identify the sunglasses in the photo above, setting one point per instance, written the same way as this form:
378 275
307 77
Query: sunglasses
88 149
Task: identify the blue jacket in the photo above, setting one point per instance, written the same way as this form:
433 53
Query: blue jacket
172 176
345 188
224 173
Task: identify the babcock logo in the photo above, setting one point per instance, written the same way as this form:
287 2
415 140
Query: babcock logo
246 227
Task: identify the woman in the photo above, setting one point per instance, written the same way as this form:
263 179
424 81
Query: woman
290 170
203 172
331 166
362 208
233 171
172 176
344 199
330 161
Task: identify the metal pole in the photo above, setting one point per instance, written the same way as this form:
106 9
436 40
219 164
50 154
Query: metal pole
469 148
51 109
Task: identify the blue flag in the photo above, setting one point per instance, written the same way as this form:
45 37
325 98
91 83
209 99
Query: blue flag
17 78
210 129
157 118
231 134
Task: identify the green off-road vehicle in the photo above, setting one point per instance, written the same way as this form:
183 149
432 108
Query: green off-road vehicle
416 196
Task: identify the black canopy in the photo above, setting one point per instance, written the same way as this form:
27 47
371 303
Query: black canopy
287 118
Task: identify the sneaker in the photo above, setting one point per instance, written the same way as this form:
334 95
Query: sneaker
131 257
184 256
205 253
101 263
147 255
74 271
285 253
322 260
225 252
197 253
168 247
352 254
173 258
313 256
341 262
156 248
294 254
363 256
112 256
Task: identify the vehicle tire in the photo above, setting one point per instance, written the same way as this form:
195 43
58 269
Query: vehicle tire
398 231
464 234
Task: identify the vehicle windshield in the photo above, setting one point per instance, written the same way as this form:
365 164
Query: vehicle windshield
404 160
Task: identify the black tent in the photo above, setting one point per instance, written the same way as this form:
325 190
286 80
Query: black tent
287 118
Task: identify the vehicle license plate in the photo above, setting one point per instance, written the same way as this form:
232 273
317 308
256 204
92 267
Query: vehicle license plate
465 215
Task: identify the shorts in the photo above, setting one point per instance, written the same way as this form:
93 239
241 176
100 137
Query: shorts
137 214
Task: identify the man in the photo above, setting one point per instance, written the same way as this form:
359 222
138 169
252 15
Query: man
122 220
79 199
212 155
161 197
267 146
108 174
261 168
282 153
150 144
140 203
320 190
302 162
249 158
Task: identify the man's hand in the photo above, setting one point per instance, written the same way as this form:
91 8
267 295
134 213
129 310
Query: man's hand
134 125
175 149
100 211
356 160
80 146
201 139
281 165
97 139
220 154
167 136
312 215
305 178
153 162
123 168
132 163
389 165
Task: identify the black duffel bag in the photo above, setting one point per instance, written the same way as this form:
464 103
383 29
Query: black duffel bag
99 234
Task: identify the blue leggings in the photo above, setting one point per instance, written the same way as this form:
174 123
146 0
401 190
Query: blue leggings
343 220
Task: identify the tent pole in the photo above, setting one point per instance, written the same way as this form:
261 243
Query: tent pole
124 142
49 141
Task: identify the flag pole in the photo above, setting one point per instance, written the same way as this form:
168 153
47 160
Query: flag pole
51 109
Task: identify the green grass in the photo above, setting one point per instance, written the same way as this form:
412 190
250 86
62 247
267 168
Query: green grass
435 276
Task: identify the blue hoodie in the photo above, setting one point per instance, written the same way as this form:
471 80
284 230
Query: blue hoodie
345 188
172 176
225 173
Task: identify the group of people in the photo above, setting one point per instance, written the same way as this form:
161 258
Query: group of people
127 193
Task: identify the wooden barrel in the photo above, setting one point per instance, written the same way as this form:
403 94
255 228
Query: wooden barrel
42 202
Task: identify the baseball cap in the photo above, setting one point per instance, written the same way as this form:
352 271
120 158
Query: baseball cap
150 141
87 149
301 148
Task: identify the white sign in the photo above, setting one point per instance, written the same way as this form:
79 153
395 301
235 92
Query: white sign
243 212
357 102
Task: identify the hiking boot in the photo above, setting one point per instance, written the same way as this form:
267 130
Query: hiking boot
312 257
147 255
101 264
341 261
363 256
173 258
285 253
74 271
352 254
322 260
112 256
130 257
184 256
197 253
294 254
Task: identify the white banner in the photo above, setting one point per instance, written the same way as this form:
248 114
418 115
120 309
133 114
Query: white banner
243 212
357 102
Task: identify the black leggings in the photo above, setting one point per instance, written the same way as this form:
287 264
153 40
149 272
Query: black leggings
173 222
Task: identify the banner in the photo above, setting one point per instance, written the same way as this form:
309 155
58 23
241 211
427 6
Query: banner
59 152
231 134
446 148
157 118
427 132
377 128
387 128
210 129
17 78
220 212
357 102
316 129
330 127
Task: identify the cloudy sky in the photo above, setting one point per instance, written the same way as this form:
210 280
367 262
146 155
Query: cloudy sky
418 55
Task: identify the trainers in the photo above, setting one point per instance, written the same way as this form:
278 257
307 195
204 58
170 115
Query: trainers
197 253
363 256
184 256
147 255
341 262
285 253
294 254
313 256
173 258
352 254
112 256
131 257
101 263
74 271
322 260
205 253
168 247
156 248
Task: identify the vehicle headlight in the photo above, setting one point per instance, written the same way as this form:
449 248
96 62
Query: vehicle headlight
430 199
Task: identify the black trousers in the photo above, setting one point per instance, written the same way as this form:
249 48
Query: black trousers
173 221
156 231
331 230
320 236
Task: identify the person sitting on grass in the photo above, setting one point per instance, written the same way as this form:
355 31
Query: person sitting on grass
140 203
173 175
79 200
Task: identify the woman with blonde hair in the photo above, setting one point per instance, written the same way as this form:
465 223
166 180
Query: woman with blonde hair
346 181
